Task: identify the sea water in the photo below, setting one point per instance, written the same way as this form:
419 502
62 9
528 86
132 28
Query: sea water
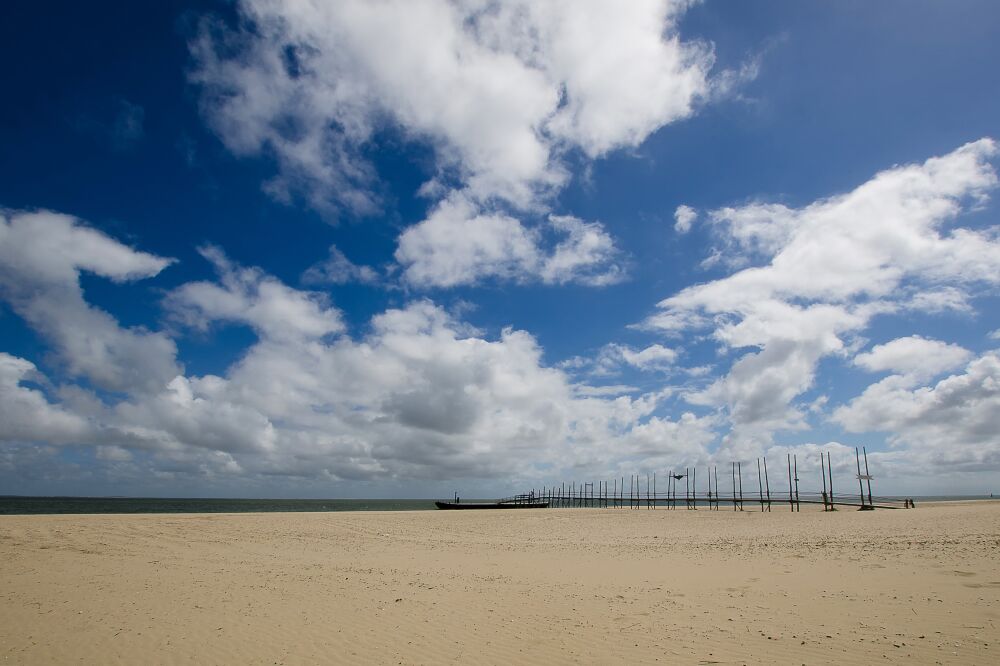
11 505
38 505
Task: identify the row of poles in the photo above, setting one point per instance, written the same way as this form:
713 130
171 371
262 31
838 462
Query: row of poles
606 494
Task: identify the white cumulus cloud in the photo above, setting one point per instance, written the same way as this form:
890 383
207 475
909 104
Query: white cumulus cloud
821 272
953 423
41 257
457 244
419 395
26 415
914 356
684 217
498 88
501 91
250 296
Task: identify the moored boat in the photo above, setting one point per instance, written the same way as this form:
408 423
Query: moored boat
491 505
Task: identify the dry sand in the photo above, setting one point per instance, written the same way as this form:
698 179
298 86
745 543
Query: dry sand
535 586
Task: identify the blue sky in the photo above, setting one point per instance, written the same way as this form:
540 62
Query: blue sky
389 249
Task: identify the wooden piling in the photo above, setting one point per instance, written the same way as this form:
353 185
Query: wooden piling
760 486
767 485
670 480
694 487
829 471
709 488
717 497
739 471
791 503
795 462
822 471
868 477
687 488
857 459
734 486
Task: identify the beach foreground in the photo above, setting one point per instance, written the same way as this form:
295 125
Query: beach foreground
535 586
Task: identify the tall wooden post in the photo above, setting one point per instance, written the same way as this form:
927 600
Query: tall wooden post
868 477
829 471
709 488
734 486
717 498
687 488
822 471
694 488
795 462
791 504
857 459
671 483
760 486
739 472
767 485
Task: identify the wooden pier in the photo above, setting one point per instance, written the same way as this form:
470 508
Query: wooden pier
642 491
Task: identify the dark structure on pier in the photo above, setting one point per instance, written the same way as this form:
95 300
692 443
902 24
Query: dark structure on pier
643 493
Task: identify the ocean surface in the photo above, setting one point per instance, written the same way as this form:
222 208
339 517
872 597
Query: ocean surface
10 505
37 505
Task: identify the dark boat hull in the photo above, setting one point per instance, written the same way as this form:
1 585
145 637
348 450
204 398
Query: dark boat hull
491 505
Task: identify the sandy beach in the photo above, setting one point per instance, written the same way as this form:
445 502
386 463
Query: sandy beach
537 586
